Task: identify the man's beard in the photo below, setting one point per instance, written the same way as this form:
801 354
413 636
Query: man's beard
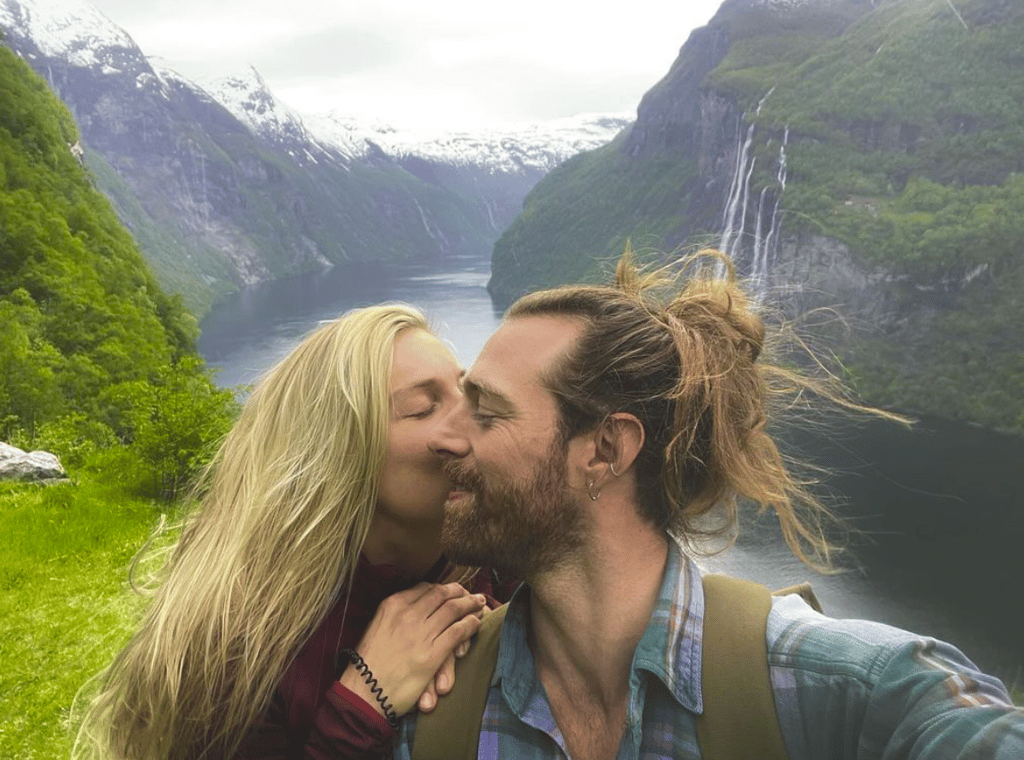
519 529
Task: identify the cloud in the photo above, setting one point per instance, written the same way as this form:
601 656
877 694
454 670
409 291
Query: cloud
338 51
405 60
495 91
527 90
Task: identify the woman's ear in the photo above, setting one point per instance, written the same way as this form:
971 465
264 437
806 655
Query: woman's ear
617 442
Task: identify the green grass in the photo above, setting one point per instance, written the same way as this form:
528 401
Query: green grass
63 575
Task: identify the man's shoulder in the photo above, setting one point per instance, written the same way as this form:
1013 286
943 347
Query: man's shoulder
815 649
800 638
874 690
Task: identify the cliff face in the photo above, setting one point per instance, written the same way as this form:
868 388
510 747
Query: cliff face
698 119
852 154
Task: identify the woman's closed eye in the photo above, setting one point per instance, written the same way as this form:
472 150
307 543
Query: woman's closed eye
424 412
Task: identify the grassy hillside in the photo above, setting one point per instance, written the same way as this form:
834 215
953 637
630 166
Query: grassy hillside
63 602
94 357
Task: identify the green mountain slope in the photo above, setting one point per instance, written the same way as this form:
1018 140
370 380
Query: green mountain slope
73 283
902 201
91 349
651 185
591 204
200 273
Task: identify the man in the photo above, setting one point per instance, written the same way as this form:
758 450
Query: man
597 424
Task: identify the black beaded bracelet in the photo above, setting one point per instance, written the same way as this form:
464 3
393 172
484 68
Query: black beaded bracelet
375 689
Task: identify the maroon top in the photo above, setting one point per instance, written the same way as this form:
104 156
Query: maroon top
313 716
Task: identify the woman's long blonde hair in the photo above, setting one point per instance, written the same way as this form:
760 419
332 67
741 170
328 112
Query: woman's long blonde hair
283 511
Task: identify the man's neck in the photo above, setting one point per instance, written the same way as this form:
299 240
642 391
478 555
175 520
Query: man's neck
587 616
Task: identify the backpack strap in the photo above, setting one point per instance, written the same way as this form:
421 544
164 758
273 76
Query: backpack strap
739 719
805 592
451 731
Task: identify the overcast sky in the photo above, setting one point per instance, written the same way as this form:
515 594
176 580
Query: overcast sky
442 62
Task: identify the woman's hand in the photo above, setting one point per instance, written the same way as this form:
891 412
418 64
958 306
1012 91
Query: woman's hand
444 679
414 634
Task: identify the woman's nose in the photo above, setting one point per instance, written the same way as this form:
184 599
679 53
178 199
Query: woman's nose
448 439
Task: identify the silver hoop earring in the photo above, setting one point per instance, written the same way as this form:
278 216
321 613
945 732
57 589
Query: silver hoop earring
590 490
611 466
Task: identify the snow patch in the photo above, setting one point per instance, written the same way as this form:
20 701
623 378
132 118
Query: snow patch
71 29
251 101
511 149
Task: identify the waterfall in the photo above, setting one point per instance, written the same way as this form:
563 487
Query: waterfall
204 186
736 240
490 205
744 205
195 181
737 193
780 178
435 234
764 243
731 240
758 261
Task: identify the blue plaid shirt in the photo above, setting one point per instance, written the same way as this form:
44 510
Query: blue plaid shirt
844 689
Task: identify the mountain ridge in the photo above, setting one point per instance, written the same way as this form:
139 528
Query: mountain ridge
233 187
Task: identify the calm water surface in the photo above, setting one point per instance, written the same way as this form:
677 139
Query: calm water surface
248 333
940 508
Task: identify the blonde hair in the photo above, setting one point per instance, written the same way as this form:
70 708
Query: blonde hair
283 511
688 361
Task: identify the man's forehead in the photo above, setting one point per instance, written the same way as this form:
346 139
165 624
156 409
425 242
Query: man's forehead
521 351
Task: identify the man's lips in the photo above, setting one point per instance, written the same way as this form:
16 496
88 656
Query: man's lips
458 493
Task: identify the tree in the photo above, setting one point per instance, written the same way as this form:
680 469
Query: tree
175 422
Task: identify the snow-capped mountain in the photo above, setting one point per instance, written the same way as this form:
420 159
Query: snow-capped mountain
77 33
511 149
250 100
224 185
72 30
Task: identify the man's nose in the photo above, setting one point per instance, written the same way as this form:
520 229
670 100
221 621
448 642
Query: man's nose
449 438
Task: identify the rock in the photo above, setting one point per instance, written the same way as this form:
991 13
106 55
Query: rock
16 464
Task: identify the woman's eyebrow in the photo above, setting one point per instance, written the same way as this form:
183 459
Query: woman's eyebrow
427 384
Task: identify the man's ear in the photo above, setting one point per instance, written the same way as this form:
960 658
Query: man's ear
617 442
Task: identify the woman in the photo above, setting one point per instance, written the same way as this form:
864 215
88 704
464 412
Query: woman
323 500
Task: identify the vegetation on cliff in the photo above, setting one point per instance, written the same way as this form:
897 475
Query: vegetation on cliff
593 203
908 146
905 126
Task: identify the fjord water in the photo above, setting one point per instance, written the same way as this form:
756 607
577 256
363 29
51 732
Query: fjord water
939 508
250 331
